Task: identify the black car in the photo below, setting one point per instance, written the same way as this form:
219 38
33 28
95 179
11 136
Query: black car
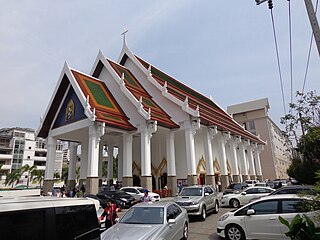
235 187
119 196
104 199
296 189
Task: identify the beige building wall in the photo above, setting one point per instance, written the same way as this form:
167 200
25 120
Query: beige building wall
275 159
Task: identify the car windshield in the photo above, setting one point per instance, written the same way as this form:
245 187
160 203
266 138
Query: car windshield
191 192
121 194
141 190
143 215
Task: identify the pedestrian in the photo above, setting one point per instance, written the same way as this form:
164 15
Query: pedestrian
146 197
180 187
83 189
110 212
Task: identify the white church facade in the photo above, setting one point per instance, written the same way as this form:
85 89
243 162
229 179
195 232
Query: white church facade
161 127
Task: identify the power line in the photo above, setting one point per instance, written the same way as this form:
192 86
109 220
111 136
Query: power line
290 51
270 5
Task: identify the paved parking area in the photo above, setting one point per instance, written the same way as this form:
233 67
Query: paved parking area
199 230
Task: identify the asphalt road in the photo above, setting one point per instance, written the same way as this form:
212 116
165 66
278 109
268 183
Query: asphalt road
199 230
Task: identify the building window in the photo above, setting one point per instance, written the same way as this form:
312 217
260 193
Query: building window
244 125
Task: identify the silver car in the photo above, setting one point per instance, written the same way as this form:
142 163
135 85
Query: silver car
151 220
198 200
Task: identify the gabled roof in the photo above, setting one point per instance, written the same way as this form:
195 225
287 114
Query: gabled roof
210 112
107 110
137 90
96 101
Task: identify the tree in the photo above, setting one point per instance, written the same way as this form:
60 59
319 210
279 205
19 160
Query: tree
30 172
38 176
304 116
13 177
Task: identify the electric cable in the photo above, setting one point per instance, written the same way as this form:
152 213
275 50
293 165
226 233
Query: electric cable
270 5
290 51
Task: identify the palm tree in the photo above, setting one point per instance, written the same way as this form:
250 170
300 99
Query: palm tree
38 176
30 171
13 177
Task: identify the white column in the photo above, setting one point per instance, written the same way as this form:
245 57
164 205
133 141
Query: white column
127 155
110 162
257 152
243 160
93 151
252 170
207 139
101 147
233 143
146 153
84 160
51 157
222 152
120 161
73 161
171 162
190 152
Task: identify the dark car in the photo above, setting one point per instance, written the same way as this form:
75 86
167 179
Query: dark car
296 189
235 187
104 199
121 196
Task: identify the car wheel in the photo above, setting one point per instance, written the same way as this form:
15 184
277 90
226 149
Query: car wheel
216 207
185 232
234 203
234 232
203 215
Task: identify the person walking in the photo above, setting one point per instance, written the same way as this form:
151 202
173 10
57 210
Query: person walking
146 197
110 212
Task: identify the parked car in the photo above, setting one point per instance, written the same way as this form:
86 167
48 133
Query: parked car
118 195
138 192
260 219
198 200
49 218
235 187
251 183
296 189
151 220
238 199
103 199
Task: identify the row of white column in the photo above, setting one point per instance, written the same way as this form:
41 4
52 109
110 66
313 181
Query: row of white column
212 138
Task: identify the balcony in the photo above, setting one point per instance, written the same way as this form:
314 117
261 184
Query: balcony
41 168
40 159
6 167
6 156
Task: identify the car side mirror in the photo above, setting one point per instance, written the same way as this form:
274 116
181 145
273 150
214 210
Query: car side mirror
251 212
206 194
171 221
243 193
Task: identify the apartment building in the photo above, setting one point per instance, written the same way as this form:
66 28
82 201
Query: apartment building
253 116
18 147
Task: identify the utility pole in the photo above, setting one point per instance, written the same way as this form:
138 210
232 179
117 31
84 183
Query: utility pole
313 22
312 18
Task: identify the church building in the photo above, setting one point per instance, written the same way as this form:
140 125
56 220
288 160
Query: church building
165 131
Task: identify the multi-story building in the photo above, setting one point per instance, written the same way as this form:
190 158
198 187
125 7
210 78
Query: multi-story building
18 147
253 116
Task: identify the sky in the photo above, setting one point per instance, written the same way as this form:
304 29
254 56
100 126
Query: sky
223 49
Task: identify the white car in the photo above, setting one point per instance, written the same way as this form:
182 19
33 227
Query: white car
260 219
138 192
251 183
238 199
